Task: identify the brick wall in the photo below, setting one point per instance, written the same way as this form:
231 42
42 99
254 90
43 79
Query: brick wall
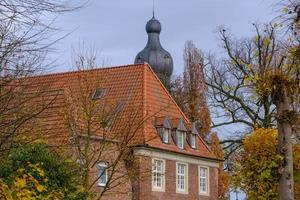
121 192
143 183
120 187
146 192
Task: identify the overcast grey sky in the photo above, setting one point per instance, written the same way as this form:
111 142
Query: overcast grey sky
116 28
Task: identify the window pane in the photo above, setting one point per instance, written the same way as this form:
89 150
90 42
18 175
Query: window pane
181 173
158 184
180 139
98 94
158 174
193 141
102 174
203 179
166 135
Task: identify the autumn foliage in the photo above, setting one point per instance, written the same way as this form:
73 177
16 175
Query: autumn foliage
224 177
189 90
36 172
25 185
256 169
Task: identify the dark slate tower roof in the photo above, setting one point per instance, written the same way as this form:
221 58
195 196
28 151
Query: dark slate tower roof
159 59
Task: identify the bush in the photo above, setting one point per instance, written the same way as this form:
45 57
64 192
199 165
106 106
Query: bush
37 172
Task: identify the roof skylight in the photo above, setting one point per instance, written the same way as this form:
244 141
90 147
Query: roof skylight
99 93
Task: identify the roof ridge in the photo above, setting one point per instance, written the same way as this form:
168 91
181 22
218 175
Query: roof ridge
144 107
87 70
167 92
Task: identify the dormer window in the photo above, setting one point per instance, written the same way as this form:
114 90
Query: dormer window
163 125
165 135
180 139
193 141
179 132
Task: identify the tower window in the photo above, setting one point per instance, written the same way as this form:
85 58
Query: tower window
167 58
139 59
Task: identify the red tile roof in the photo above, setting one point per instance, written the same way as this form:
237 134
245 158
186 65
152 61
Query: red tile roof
136 85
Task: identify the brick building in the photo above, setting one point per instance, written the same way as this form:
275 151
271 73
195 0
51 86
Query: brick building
166 144
164 157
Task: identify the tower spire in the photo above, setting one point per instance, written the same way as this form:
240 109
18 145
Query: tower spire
153 11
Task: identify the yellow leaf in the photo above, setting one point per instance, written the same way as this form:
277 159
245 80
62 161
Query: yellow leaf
266 41
40 188
20 183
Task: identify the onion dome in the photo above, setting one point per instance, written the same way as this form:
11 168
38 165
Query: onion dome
153 26
159 59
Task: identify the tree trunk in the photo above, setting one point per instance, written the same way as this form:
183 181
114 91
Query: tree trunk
286 182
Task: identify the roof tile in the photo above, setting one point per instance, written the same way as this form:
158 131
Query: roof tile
137 85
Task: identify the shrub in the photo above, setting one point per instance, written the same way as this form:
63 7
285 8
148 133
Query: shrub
37 172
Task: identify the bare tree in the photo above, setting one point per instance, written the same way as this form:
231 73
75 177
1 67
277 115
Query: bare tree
258 86
290 15
25 29
232 94
104 130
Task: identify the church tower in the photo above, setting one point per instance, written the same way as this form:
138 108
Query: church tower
159 59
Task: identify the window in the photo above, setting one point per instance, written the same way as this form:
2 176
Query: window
102 167
180 139
139 59
181 178
113 116
158 175
81 162
165 135
167 59
203 181
193 141
98 94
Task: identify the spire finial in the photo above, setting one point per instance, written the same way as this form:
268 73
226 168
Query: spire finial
153 11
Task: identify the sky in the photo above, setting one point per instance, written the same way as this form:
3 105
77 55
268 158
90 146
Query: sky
116 28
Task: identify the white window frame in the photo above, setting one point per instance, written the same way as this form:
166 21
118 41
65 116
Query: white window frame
165 135
201 192
80 162
104 165
193 139
180 145
186 180
154 187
